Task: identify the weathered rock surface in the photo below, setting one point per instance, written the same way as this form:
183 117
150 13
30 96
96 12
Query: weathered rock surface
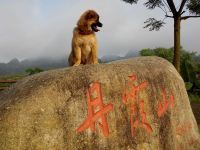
45 111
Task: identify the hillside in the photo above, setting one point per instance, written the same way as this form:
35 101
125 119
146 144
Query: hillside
15 66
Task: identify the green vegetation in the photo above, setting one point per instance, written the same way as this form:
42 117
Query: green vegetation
194 98
11 77
29 71
32 71
190 69
161 52
178 12
190 72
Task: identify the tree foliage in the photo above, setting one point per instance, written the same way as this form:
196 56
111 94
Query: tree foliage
166 53
32 71
153 24
190 7
194 6
177 10
131 1
190 68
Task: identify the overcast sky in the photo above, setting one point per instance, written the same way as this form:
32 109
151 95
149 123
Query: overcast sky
37 28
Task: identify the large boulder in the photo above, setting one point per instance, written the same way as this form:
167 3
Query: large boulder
133 104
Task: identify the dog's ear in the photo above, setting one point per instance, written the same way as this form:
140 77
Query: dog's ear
83 25
82 22
90 15
83 29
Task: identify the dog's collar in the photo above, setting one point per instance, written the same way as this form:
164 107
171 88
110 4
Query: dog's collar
84 32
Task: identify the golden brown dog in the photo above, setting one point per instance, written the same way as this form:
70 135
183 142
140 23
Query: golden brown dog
84 42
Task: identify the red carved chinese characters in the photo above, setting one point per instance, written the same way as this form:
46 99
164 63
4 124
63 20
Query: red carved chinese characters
139 123
162 108
137 119
133 89
94 96
130 97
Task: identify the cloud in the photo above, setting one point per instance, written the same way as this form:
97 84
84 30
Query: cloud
37 28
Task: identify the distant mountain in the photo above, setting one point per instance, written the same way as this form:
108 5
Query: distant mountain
15 66
109 58
131 54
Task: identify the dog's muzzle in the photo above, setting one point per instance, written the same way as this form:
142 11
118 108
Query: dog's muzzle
95 25
99 24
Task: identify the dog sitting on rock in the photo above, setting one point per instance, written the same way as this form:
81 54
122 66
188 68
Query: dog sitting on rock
84 42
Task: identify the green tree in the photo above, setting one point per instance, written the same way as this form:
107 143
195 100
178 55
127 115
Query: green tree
32 71
190 68
160 52
184 10
147 52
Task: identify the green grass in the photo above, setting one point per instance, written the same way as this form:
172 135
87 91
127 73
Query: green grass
11 77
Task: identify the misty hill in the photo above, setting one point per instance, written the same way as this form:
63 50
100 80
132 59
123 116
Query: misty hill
131 54
16 66
109 58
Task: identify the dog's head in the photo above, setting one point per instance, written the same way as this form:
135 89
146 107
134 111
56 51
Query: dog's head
89 22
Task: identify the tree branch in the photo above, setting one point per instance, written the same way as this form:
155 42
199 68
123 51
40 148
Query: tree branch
182 5
163 10
183 12
186 17
166 5
172 6
153 24
169 16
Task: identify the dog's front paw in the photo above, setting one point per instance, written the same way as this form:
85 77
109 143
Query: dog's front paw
76 64
96 62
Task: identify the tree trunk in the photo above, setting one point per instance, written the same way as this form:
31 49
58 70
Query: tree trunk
177 52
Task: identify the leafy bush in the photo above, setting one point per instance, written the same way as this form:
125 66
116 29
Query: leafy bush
32 71
190 68
160 52
194 98
188 85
